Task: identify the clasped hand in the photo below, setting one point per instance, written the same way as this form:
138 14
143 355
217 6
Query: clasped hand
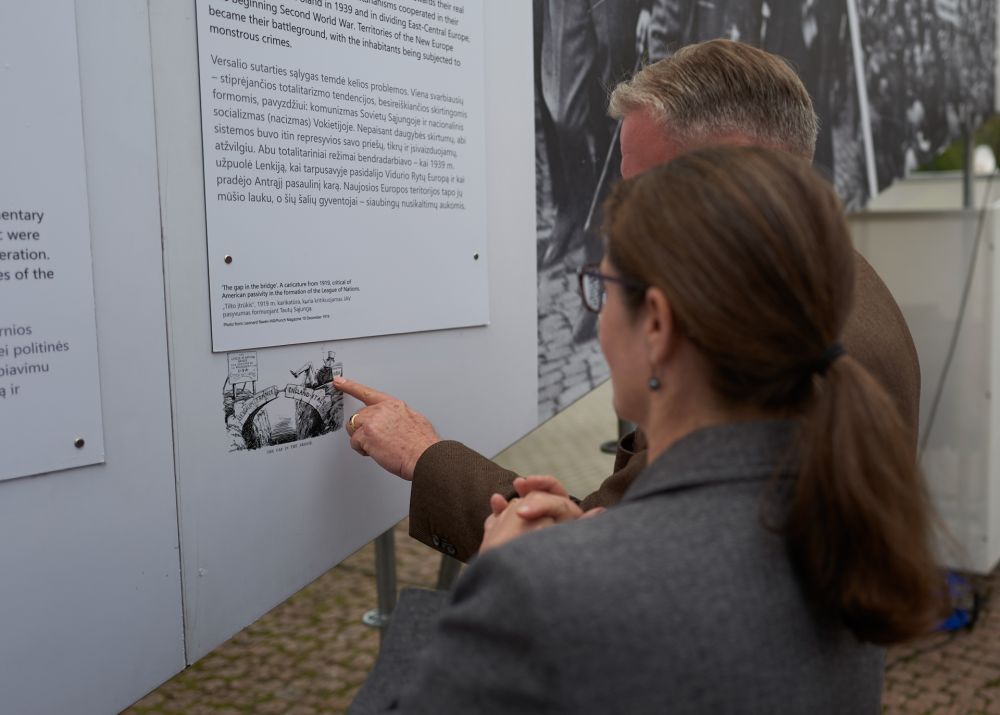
541 502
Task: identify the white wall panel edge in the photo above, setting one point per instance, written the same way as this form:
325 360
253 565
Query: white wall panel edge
992 255
167 20
511 194
175 68
996 63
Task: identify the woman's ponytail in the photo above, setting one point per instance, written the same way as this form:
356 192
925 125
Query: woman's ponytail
859 518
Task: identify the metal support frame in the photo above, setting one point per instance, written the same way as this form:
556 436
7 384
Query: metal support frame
611 446
968 168
448 572
385 582
864 109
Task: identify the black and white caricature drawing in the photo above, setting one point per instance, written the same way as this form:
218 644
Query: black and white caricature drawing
306 406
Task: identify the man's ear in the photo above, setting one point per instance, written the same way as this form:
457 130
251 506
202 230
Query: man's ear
659 326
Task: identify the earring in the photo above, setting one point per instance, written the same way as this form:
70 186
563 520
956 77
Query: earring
654 383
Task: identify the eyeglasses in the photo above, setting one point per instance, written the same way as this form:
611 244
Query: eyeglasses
592 289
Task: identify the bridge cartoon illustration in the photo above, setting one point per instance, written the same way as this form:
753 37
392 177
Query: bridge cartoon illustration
319 408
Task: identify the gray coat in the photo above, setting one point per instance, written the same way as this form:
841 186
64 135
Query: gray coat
680 599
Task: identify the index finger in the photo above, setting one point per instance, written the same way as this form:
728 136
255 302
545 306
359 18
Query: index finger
368 395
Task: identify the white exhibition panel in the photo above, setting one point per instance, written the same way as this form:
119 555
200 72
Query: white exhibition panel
934 191
257 524
962 458
45 258
91 590
344 165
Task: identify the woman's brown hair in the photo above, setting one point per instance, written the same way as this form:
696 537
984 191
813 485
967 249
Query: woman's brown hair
752 250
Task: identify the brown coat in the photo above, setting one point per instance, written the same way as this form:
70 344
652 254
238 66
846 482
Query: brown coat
452 484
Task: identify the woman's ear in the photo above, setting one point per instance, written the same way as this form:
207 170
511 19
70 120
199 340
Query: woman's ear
659 327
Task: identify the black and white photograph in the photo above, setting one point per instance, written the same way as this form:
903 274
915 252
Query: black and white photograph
929 75
582 50
929 71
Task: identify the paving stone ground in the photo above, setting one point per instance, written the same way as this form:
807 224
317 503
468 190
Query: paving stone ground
309 655
950 673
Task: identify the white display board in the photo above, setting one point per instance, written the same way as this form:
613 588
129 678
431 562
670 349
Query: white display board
50 400
344 164
270 492
91 614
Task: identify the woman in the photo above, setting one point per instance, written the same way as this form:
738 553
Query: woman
779 535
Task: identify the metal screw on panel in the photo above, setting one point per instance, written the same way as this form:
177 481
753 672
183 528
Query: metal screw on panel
79 442
475 256
228 259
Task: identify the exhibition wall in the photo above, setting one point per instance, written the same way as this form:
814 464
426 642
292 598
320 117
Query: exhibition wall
91 587
925 248
215 206
227 481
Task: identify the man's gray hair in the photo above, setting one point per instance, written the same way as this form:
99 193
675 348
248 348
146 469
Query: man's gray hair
719 89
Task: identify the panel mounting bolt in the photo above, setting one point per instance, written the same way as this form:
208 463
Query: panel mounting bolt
228 259
475 256
79 442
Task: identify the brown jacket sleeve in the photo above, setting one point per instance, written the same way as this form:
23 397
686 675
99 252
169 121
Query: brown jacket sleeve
629 461
452 485
450 497
877 336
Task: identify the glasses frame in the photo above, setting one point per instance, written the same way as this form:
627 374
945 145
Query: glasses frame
593 270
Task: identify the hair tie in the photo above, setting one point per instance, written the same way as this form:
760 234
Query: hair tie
828 357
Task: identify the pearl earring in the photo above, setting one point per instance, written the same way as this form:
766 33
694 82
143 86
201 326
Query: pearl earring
654 383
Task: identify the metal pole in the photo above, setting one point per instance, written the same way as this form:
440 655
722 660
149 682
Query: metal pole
624 427
863 104
385 582
968 168
448 572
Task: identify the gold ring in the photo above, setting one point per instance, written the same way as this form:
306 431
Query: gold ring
350 423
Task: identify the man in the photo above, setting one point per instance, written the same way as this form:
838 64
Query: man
716 92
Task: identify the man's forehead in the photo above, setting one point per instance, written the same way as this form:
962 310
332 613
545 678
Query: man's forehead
642 132
642 122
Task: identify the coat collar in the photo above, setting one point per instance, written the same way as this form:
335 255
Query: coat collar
734 451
